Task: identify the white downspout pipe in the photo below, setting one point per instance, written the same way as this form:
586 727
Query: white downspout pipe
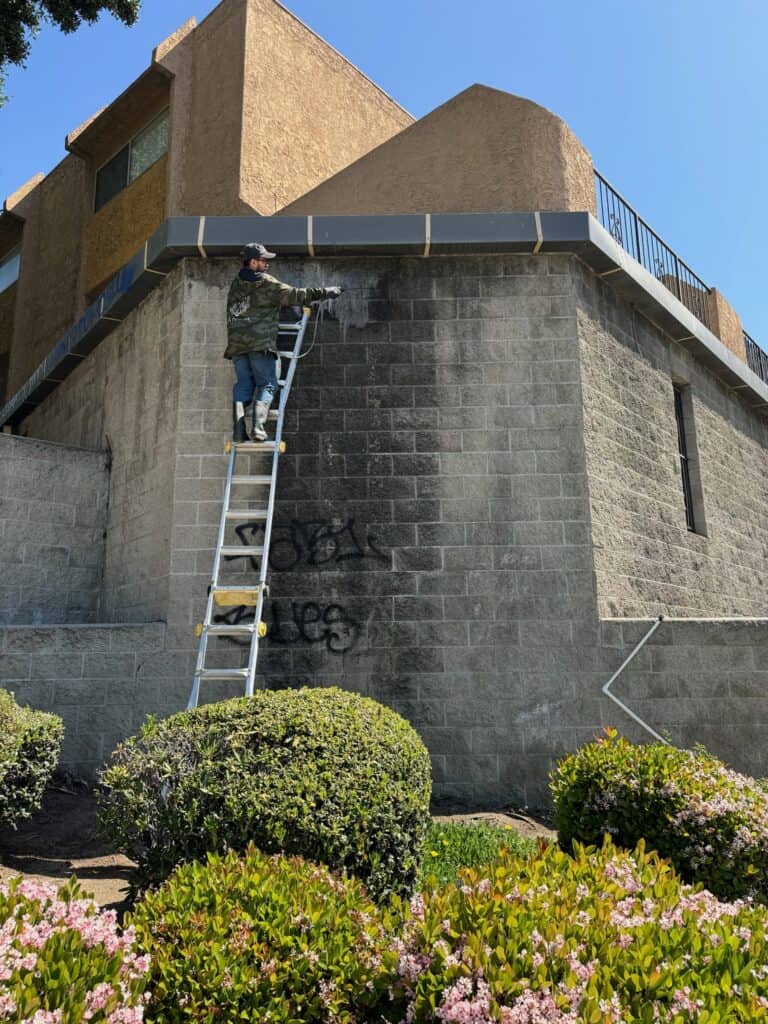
617 673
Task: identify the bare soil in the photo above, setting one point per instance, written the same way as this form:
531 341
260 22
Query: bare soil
62 840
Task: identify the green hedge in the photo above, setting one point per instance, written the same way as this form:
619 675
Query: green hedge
63 960
600 937
710 821
328 775
261 939
29 752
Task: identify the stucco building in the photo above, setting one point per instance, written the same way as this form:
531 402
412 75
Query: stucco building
525 432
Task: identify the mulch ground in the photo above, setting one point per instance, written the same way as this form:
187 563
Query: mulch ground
62 840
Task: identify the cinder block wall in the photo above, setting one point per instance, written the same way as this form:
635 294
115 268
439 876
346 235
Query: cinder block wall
52 519
124 398
434 533
646 560
88 675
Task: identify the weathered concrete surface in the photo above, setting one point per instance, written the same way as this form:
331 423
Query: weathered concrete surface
125 399
440 542
646 561
481 152
88 675
52 517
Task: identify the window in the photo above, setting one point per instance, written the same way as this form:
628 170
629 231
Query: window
689 464
9 268
132 160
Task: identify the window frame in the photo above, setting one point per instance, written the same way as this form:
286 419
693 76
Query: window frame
10 255
164 113
688 460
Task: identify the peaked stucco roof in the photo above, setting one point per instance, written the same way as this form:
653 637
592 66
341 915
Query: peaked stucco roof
483 151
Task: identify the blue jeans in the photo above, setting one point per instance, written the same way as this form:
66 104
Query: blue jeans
256 372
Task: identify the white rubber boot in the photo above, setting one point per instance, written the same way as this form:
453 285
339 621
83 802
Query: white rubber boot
260 413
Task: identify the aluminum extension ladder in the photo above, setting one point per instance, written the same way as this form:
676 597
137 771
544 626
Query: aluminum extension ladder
252 596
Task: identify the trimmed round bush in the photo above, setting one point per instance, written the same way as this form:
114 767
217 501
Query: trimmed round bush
29 753
261 939
63 960
327 775
599 937
710 821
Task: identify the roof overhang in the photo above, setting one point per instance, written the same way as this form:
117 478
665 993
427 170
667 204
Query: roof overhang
426 235
96 138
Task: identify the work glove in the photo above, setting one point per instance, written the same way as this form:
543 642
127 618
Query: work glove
333 292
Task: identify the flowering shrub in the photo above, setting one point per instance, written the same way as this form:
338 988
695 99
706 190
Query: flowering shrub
261 939
710 821
63 961
603 936
29 752
320 773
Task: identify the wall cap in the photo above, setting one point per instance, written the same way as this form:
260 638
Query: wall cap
423 235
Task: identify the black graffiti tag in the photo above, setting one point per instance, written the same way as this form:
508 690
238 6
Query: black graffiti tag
311 542
308 622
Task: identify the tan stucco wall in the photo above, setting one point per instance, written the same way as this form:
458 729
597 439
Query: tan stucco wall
307 111
483 151
118 229
251 99
206 114
49 293
726 323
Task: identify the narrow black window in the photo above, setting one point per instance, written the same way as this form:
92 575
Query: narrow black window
112 178
685 469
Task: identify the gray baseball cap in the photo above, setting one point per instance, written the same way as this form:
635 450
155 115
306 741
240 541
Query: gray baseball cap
256 251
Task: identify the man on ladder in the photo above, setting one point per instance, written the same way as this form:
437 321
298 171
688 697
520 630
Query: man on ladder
253 307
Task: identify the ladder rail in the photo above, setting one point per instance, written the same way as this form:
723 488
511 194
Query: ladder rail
264 567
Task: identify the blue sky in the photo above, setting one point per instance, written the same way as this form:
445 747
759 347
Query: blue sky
667 95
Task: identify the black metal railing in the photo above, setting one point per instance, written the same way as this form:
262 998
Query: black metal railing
757 359
634 235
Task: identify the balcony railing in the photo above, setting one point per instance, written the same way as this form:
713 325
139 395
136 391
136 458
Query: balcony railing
757 360
634 235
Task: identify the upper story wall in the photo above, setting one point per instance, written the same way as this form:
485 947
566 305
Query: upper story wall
49 294
647 561
307 112
233 147
484 151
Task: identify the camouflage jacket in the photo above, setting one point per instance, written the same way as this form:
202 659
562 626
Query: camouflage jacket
253 309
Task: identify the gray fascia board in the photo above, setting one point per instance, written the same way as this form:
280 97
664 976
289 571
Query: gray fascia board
225 236
399 235
482 232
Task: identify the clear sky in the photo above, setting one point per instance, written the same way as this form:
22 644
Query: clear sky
668 96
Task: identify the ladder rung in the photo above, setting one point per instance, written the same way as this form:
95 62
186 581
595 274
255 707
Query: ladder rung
234 597
252 479
256 446
246 550
223 673
284 328
246 513
241 629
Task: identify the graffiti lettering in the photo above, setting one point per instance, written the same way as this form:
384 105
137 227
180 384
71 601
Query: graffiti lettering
308 622
312 542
